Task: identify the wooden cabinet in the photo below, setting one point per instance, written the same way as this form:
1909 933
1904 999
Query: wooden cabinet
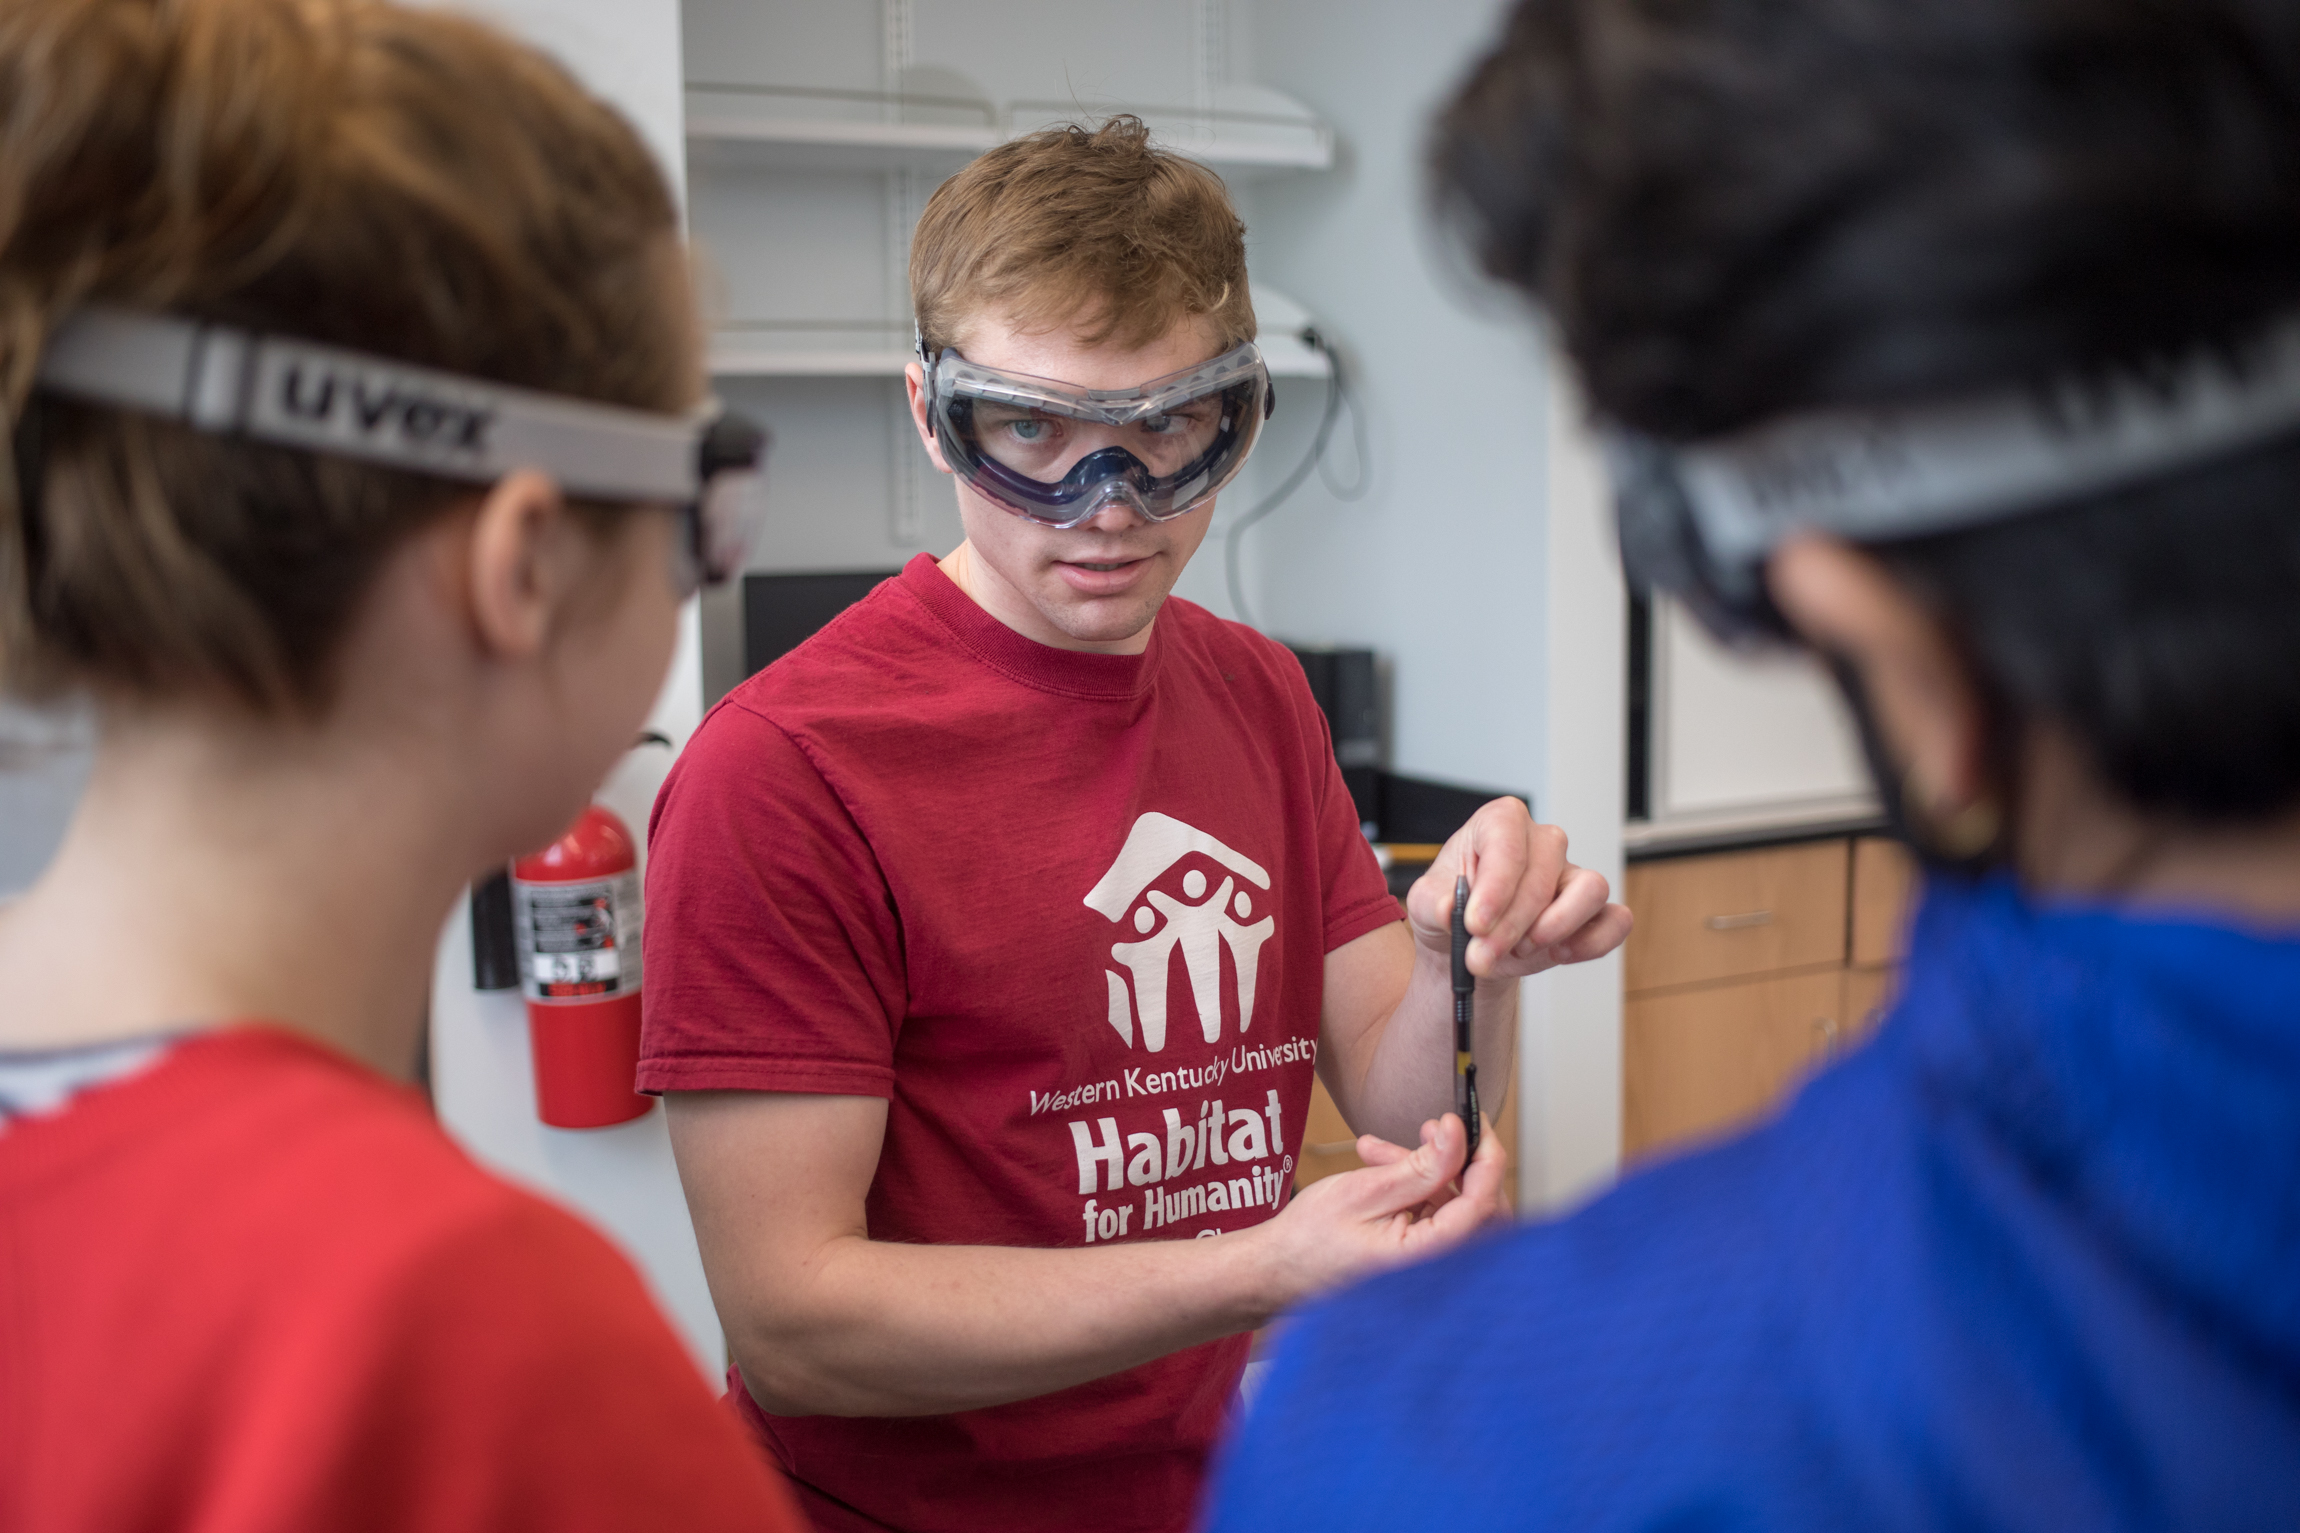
1698 1061
1748 970
1869 995
1884 880
1328 1145
1736 915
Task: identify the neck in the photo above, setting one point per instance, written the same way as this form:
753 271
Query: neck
218 874
2078 838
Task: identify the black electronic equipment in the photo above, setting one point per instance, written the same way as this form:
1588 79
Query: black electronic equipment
1411 810
781 612
494 938
1342 681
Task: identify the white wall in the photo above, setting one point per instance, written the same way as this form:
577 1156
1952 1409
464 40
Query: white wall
1481 559
1570 1064
621 1178
1436 566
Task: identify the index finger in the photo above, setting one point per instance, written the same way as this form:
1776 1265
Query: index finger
1522 882
1494 850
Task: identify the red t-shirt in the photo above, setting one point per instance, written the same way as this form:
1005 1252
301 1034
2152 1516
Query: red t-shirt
255 1287
1060 910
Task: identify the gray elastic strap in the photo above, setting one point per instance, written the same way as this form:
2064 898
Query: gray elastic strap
1880 474
325 399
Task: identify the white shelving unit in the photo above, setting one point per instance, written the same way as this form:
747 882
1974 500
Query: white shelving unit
732 139
1246 132
739 132
744 356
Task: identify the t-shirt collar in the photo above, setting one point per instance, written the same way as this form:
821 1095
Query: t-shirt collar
1077 673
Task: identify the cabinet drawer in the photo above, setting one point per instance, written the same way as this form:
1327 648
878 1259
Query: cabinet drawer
1734 914
1700 1062
1884 882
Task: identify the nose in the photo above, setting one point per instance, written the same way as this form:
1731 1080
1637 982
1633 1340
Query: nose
1118 512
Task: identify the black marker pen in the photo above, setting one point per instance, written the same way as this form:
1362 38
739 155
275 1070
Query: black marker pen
1464 1019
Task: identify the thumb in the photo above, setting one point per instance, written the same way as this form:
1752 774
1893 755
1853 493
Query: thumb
1416 1177
1444 1148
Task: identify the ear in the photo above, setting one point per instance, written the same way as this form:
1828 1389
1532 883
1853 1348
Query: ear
1927 706
914 381
526 557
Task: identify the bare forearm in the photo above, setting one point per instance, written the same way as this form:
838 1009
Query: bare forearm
1408 1074
882 1329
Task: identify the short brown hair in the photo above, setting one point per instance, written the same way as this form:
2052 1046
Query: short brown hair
1093 230
398 181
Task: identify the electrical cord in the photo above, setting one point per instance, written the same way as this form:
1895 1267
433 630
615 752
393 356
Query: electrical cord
1338 394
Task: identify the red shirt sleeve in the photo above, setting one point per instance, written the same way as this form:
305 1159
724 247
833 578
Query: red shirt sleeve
773 953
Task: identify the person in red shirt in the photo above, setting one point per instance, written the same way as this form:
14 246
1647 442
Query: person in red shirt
996 932
354 477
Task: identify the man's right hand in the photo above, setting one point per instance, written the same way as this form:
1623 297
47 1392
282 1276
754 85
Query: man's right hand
1401 1207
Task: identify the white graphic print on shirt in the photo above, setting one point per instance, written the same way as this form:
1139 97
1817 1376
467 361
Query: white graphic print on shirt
1153 925
1201 930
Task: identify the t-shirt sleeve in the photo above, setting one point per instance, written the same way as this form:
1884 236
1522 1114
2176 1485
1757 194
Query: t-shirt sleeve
514 1374
773 955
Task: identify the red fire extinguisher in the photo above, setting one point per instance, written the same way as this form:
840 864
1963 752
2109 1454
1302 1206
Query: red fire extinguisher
575 907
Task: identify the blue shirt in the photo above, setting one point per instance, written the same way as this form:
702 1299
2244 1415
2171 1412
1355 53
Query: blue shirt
2029 1260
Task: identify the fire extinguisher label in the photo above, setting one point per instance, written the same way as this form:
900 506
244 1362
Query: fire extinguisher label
580 940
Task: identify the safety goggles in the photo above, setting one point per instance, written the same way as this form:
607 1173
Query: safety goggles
1058 455
324 399
1700 521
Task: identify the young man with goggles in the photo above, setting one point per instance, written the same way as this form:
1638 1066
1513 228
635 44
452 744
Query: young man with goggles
995 934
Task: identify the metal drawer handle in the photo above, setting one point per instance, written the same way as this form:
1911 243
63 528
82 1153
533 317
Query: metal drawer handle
1740 922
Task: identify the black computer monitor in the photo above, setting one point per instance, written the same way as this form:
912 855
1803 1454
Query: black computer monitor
781 612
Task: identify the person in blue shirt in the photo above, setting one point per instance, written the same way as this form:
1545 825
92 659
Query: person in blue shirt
1957 341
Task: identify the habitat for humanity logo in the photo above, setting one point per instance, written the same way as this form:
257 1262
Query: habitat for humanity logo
1199 923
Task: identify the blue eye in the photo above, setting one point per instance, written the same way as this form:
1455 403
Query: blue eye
1029 428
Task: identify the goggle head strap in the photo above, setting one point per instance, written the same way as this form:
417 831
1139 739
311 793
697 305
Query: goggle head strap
294 393
1699 521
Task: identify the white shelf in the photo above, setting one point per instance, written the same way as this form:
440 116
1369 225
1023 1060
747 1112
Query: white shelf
1857 811
822 144
1288 357
1248 133
738 359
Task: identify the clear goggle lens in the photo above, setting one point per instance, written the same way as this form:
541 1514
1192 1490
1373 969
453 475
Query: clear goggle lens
1059 455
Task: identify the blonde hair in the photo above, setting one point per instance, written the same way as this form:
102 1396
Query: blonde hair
400 181
1090 230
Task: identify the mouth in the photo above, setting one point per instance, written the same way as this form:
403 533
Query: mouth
1104 577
